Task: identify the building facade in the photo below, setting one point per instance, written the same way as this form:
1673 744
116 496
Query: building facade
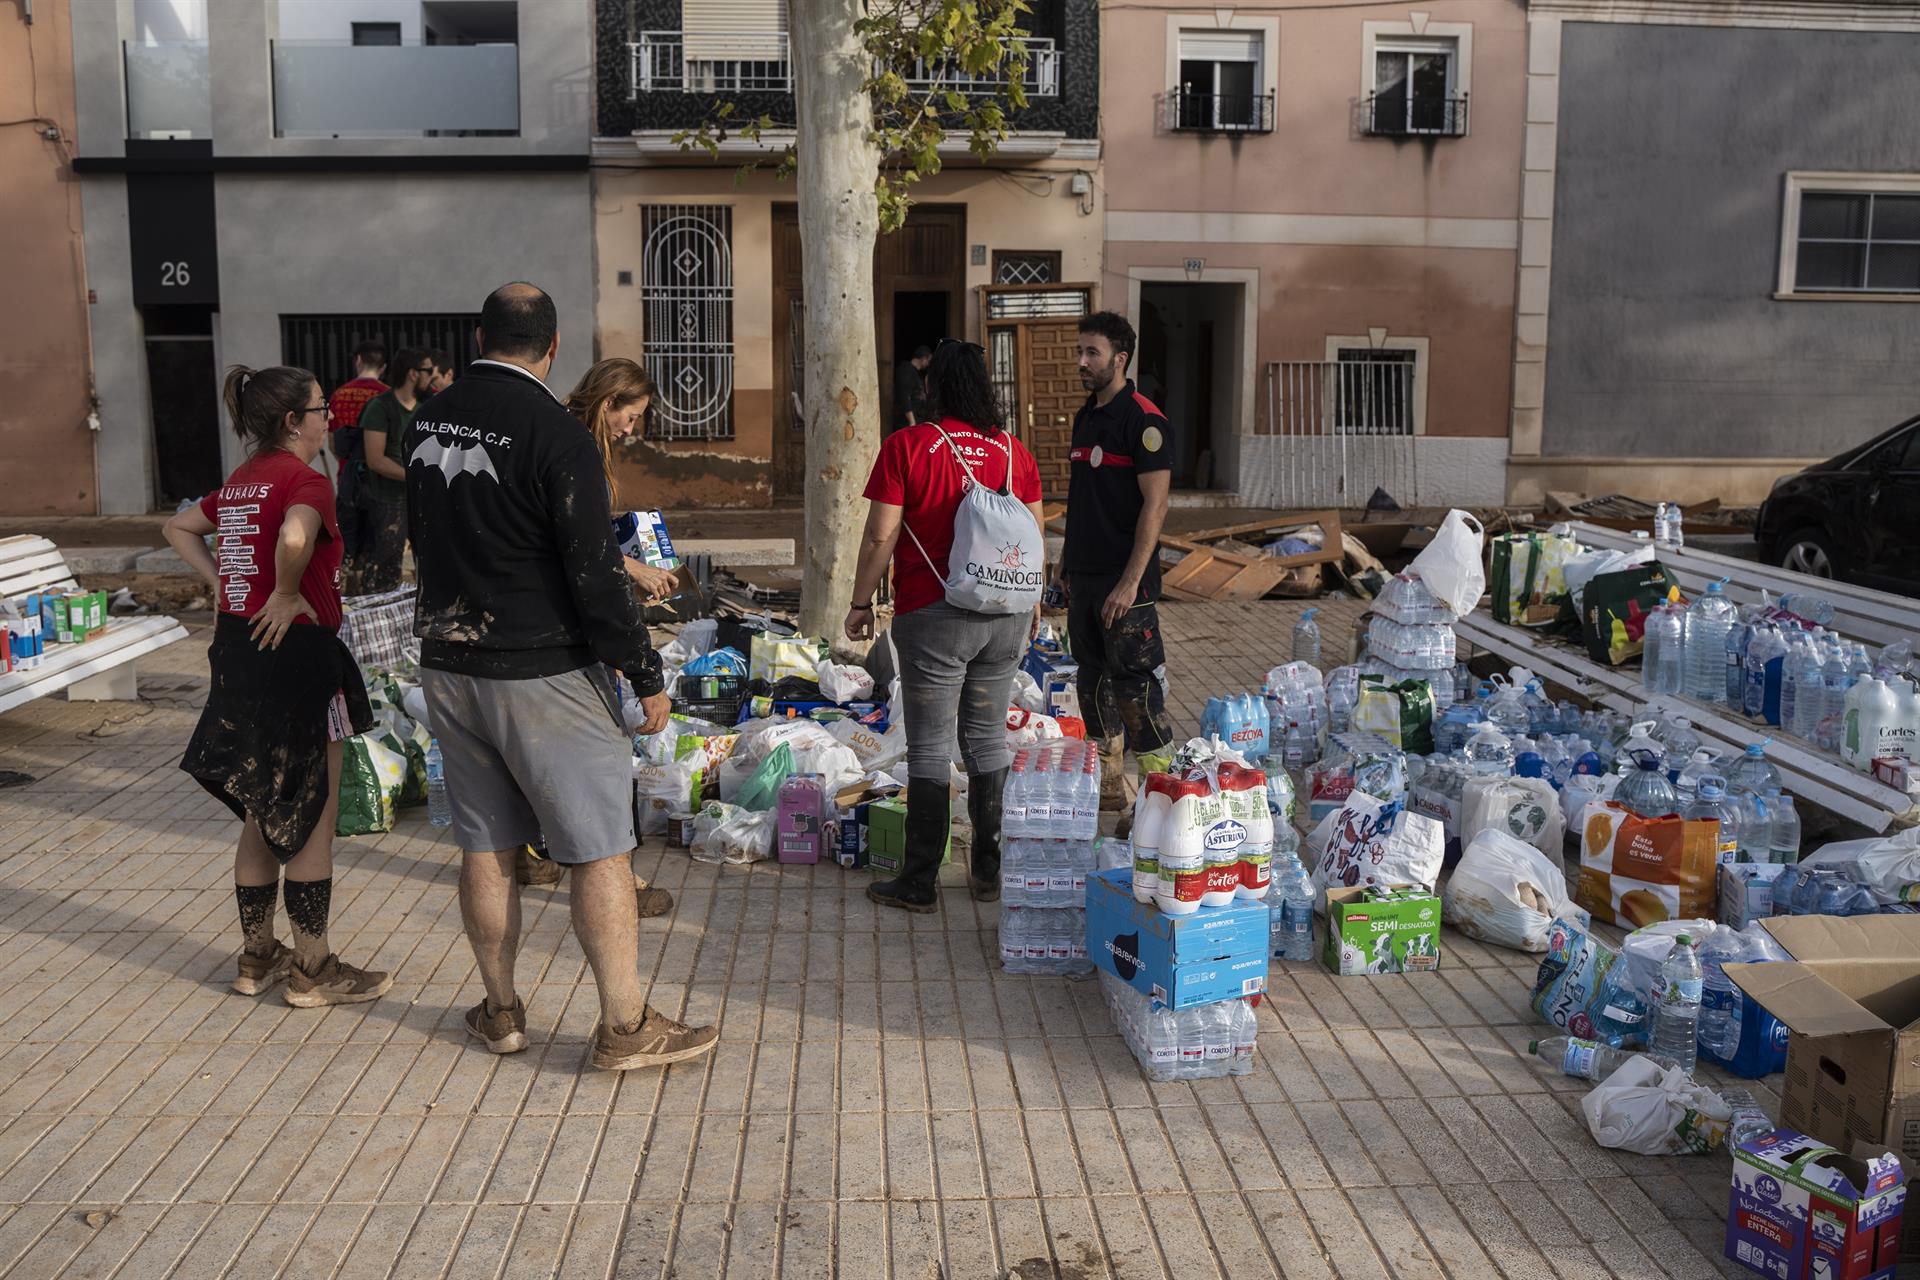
699 266
1720 274
46 400
1312 219
274 181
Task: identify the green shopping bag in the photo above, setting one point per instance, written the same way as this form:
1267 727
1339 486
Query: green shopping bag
1401 713
1615 607
372 776
762 791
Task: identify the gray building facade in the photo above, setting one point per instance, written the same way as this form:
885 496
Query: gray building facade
272 181
1735 237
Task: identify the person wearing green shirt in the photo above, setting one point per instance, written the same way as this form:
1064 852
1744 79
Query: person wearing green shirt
383 432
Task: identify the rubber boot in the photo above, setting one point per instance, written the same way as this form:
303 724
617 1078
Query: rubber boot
1113 773
985 794
929 815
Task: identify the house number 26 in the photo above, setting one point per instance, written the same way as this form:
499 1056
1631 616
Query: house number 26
173 274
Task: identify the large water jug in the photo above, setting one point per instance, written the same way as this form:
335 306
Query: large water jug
1490 751
1645 789
1663 659
1708 622
1507 709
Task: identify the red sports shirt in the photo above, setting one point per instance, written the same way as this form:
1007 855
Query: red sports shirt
349 398
247 512
918 473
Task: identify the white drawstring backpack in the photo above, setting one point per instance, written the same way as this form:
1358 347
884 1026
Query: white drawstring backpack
998 553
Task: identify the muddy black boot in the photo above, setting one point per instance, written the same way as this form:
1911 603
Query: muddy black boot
928 817
985 791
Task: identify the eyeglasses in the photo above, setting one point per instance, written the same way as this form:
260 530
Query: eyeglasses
316 408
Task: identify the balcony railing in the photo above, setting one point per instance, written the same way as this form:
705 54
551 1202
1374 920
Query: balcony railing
1399 116
169 94
395 91
1219 112
765 65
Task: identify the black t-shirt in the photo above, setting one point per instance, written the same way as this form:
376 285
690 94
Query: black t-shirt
1112 445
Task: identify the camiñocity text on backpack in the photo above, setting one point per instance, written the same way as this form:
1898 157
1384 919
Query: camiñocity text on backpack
995 565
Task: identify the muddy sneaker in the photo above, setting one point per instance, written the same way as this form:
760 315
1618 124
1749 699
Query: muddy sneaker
651 901
259 973
657 1041
532 866
503 1032
337 983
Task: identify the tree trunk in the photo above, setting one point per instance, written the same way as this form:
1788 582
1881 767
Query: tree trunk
839 219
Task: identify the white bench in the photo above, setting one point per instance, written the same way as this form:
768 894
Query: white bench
98 669
1810 773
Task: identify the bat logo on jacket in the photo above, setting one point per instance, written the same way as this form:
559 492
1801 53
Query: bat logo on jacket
454 460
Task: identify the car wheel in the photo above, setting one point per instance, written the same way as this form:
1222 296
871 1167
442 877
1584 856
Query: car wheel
1807 551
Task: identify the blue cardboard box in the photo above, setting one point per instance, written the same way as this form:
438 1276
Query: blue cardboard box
1217 953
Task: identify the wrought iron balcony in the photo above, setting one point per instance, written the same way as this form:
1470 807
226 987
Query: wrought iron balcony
764 64
1399 116
1219 112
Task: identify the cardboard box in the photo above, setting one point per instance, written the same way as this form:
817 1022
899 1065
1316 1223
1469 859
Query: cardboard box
1393 930
1216 953
1799 1208
1851 1000
887 836
850 840
1746 891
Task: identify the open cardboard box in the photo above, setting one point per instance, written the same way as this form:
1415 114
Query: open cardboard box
1851 999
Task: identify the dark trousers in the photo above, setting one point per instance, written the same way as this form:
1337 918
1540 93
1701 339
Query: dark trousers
386 527
349 507
1119 694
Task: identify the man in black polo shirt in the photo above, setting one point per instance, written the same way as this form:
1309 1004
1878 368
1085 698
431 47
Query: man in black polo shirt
1116 503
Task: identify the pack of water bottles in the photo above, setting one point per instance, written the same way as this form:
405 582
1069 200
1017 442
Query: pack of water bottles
1202 1042
1425 647
1241 721
1050 818
1296 693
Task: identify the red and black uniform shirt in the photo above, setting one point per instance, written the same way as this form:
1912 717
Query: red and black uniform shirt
1112 446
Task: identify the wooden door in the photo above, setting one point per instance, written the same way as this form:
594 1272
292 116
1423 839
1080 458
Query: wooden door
1032 337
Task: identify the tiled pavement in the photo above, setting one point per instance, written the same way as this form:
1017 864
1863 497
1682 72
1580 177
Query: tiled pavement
884 1103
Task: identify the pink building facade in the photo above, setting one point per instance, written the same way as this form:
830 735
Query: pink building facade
1313 220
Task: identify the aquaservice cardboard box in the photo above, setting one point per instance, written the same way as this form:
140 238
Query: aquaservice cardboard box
1851 1000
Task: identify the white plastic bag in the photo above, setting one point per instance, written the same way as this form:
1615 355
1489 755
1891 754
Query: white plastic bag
843 682
664 789
728 835
1451 565
1655 1111
1026 694
1644 950
762 736
1526 808
1506 892
1583 789
1375 844
835 762
1024 728
874 751
1888 865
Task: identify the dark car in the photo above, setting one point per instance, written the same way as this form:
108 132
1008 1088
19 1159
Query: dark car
1855 517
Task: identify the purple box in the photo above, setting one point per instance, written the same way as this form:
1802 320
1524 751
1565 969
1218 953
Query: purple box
1800 1210
802 818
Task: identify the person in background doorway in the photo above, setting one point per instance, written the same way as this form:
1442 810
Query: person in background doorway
285 693
344 406
1110 566
442 372
383 429
956 666
523 608
910 389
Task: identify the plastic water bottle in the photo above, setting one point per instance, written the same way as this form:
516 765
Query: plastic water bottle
1721 1003
1664 657
1803 694
1645 790
1306 639
439 803
1587 1059
1736 663
1245 1030
1710 804
1752 773
1708 622
1490 752
1290 924
1783 830
1766 652
1676 1005
1749 1119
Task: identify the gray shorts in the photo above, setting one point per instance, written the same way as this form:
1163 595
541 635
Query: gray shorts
532 760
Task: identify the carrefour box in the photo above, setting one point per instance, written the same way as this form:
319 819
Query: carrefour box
1799 1208
887 836
1216 953
1746 891
1391 930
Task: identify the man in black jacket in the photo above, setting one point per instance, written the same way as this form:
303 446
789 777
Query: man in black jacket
523 607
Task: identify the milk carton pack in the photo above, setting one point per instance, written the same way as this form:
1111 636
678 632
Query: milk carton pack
643 536
1800 1210
1386 930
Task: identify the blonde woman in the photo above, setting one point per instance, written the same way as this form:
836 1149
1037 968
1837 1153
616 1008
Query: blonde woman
612 398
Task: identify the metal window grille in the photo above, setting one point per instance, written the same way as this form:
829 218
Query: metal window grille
1024 268
686 283
658 64
1000 366
1348 426
324 344
1037 304
797 361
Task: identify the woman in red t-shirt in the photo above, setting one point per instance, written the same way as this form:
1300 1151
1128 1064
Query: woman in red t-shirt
956 666
284 693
